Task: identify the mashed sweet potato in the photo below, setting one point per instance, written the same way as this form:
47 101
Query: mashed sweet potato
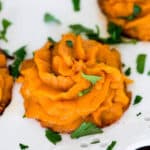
52 81
120 12
6 83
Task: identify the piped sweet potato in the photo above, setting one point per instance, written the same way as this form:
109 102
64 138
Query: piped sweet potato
132 15
52 81
6 83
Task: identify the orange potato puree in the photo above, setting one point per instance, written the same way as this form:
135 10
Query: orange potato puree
52 79
139 27
6 83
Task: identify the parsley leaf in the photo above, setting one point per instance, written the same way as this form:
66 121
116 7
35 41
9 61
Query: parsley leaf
85 91
23 147
52 136
5 24
48 18
112 145
69 43
136 11
115 33
76 5
1 6
137 99
128 71
138 114
140 63
19 57
86 128
95 141
92 78
50 39
148 73
78 29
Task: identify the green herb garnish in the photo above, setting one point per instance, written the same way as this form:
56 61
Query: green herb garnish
115 33
148 73
19 56
92 78
95 141
112 145
52 136
136 11
138 114
82 93
69 43
137 99
140 63
50 39
78 29
86 128
128 71
23 147
76 5
48 18
5 24
1 6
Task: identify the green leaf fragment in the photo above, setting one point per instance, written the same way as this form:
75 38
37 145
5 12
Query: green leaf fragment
138 114
128 71
137 99
69 43
5 24
140 63
23 147
48 18
136 11
19 57
92 78
82 93
1 6
86 128
52 136
112 145
76 5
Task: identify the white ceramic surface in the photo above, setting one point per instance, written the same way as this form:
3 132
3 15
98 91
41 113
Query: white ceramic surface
29 29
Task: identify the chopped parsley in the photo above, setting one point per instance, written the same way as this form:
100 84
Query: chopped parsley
69 43
50 39
1 6
76 5
52 136
78 29
137 99
23 147
140 63
128 71
48 18
95 141
138 114
112 145
115 33
19 56
136 11
92 78
82 93
148 73
86 128
5 25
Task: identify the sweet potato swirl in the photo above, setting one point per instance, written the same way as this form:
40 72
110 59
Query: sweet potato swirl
6 83
52 80
137 27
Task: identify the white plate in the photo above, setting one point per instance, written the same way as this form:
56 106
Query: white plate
29 29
